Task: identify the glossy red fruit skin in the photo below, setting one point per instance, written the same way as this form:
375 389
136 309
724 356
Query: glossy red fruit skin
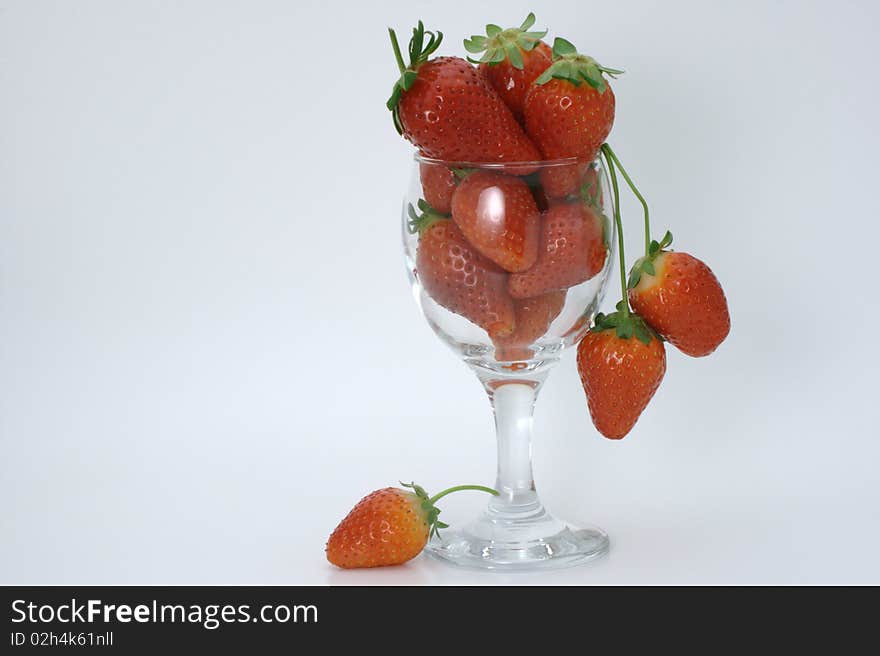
387 527
533 318
683 302
512 83
571 250
564 120
620 376
438 185
498 216
561 181
462 280
452 113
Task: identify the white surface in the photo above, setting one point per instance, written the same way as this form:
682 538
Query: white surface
208 350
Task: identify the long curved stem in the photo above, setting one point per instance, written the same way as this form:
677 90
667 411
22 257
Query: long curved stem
609 163
457 488
638 195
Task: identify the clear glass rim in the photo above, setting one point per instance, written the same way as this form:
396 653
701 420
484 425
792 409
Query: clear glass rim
501 166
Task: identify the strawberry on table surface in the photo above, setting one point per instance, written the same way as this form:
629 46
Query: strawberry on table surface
680 297
450 111
621 363
571 250
533 318
498 216
388 527
457 276
569 111
512 59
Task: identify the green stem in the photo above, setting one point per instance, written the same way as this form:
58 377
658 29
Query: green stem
609 163
400 64
458 488
635 190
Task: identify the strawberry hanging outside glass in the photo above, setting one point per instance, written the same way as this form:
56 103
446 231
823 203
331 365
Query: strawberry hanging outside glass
621 361
674 297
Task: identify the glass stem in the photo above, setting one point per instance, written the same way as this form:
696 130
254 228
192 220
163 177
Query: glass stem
513 403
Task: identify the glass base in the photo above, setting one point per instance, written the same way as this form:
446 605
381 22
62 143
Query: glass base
520 539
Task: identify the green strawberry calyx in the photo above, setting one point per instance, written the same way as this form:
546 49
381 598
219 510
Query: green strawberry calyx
591 194
508 44
424 219
419 51
573 67
645 264
625 324
431 511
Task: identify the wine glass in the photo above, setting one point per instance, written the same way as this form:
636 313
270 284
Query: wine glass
509 279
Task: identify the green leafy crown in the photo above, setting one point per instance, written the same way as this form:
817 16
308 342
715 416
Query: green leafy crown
646 264
573 67
625 325
419 51
509 44
431 511
421 221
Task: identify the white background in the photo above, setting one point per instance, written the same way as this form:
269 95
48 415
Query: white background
209 351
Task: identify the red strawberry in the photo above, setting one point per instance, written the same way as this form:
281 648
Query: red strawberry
457 277
680 297
450 112
533 318
584 178
388 527
438 183
560 180
621 363
498 215
512 60
569 111
572 249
